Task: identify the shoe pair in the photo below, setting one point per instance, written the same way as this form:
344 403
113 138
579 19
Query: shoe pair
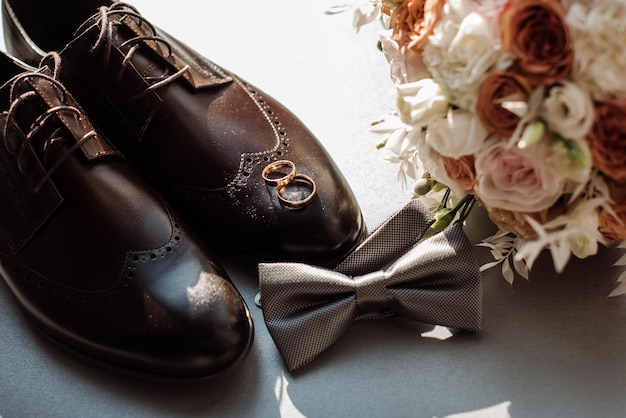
90 249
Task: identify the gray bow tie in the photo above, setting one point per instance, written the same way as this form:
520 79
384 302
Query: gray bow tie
435 281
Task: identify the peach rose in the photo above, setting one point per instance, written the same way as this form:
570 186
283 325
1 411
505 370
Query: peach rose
515 222
607 139
613 229
501 86
461 171
413 22
388 6
535 32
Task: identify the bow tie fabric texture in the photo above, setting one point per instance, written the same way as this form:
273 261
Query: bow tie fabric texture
435 281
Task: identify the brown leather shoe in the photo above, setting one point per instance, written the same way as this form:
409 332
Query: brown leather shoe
203 136
93 254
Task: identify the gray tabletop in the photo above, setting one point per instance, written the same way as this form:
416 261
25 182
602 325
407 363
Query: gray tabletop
553 346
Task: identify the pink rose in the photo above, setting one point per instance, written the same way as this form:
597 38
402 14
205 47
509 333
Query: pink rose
516 179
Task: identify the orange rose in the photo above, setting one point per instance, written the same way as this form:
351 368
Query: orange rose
501 86
461 171
413 22
607 139
535 32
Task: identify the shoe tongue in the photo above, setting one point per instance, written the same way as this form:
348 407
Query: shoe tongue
126 27
153 58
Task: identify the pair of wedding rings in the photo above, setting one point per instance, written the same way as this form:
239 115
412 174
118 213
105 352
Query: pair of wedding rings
294 190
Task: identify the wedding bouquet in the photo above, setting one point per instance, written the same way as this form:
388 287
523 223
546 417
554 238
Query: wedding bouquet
520 106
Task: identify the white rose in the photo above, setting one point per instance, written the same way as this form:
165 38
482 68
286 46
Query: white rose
568 110
599 53
458 134
460 53
421 102
458 9
516 179
569 3
489 8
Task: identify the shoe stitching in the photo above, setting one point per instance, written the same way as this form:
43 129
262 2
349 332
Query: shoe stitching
248 162
132 260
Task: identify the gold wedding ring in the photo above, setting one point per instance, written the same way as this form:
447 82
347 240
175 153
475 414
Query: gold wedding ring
294 190
297 198
275 175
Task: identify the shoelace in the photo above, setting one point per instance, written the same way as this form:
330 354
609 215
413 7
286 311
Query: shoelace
105 40
17 98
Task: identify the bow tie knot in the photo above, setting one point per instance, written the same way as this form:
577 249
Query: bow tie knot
371 293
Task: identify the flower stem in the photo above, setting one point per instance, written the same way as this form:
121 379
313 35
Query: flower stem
445 215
